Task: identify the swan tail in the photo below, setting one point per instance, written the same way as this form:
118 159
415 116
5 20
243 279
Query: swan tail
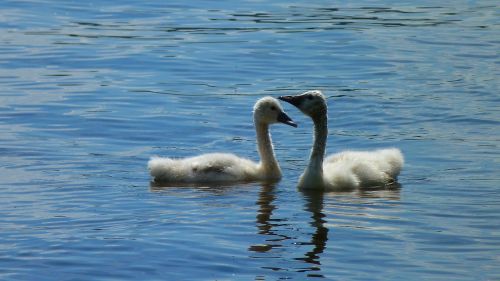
395 161
165 169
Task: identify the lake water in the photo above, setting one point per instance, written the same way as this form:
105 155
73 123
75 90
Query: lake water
90 90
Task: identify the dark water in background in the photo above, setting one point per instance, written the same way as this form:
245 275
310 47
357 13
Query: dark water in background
90 90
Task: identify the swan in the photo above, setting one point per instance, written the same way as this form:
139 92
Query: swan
347 169
227 167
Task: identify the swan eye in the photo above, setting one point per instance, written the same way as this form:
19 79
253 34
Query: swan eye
273 107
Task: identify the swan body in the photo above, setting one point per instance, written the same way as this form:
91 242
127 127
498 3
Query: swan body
227 167
344 170
212 167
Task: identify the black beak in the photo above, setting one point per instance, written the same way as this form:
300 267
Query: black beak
294 100
283 118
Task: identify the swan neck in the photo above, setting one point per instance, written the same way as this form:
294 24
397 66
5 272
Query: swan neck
268 162
319 144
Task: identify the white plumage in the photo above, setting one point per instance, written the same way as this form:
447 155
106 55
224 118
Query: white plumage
212 167
344 170
227 167
350 169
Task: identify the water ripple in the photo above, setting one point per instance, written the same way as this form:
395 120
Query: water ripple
89 91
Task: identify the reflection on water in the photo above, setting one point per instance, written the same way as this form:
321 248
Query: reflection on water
390 192
265 222
209 186
319 219
314 205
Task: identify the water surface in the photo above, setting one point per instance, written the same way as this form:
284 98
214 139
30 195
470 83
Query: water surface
90 91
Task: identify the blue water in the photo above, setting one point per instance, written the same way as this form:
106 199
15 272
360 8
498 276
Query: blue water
90 90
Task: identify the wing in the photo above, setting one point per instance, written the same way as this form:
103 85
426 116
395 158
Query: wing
221 167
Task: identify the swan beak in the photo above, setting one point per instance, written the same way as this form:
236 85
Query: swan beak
293 100
283 118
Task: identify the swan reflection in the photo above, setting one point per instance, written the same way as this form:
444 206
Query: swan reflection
301 236
314 200
265 223
322 209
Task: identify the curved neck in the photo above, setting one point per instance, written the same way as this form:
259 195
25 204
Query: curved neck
313 174
268 162
320 135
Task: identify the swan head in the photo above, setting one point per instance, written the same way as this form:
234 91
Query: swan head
268 110
311 103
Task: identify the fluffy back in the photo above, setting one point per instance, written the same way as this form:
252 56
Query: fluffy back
395 160
167 169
